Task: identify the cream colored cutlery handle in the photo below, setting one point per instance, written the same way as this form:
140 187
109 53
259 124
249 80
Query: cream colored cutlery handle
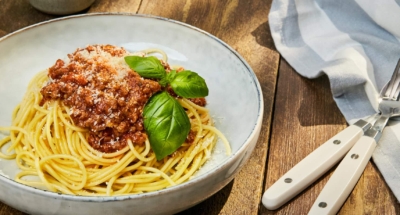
345 177
311 168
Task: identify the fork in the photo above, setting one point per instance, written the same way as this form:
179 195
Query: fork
348 172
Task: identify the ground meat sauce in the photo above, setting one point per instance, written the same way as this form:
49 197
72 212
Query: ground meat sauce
104 95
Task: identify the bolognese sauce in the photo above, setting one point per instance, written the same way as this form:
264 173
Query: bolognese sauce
104 95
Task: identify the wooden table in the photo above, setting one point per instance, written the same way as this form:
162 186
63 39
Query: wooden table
299 114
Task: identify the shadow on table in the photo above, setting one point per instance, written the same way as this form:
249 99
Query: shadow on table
212 205
263 37
319 102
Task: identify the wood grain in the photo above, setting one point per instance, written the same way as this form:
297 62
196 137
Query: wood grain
120 6
305 116
17 14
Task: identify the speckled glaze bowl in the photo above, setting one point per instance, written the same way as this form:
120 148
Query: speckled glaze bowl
235 101
61 7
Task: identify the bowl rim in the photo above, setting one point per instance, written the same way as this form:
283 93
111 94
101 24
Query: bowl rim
214 170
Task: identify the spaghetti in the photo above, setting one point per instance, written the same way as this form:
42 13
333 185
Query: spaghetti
47 144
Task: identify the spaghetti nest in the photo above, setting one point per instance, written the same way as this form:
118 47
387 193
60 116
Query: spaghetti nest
47 145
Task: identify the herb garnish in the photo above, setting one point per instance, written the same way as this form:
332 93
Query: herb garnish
189 84
147 67
166 124
165 120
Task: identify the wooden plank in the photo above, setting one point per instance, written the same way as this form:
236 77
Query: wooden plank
17 14
120 6
305 116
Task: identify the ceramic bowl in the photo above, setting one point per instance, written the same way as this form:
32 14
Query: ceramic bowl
235 101
61 7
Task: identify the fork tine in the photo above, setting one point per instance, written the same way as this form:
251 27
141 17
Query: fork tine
396 95
395 91
391 91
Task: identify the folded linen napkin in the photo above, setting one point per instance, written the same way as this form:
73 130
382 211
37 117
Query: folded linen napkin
356 43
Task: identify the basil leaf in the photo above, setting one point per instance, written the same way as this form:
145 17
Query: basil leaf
147 67
171 75
189 84
166 123
167 79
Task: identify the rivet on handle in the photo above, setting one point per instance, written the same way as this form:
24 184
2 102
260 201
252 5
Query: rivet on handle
322 205
354 156
288 180
336 142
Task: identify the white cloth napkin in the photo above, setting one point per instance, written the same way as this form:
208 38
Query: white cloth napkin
356 43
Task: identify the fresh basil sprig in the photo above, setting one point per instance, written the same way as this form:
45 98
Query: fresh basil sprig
186 84
166 122
189 84
147 67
